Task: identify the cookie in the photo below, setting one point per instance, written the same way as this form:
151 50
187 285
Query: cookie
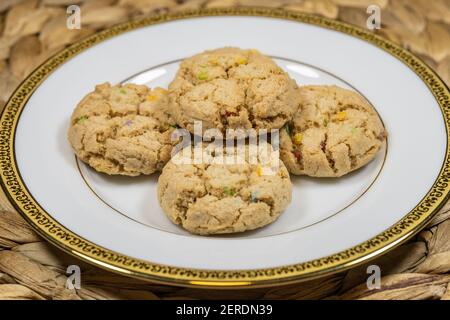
334 132
122 130
223 198
232 88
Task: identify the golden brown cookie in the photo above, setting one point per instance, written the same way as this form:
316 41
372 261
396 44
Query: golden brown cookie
122 129
334 132
232 88
223 198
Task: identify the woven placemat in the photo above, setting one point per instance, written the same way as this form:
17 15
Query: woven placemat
30 268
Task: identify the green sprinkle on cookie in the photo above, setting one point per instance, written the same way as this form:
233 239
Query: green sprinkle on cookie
202 75
82 119
229 191
287 128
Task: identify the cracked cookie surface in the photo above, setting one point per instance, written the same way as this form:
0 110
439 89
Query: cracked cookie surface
122 130
334 132
219 198
232 88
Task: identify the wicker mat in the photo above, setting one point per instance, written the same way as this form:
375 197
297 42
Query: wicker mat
30 268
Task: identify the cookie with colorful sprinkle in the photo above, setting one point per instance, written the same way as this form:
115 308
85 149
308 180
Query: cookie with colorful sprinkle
216 198
334 132
122 129
232 88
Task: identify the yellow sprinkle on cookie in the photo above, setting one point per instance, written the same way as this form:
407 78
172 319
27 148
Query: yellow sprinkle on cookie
298 138
241 60
341 116
152 97
259 171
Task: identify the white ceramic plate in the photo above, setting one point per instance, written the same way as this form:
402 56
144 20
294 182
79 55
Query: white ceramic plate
331 224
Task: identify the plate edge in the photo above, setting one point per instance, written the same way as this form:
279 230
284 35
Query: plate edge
25 204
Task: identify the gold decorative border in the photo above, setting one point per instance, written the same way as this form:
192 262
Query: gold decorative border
30 209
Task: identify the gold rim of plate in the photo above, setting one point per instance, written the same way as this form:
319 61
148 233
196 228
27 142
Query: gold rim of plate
50 229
